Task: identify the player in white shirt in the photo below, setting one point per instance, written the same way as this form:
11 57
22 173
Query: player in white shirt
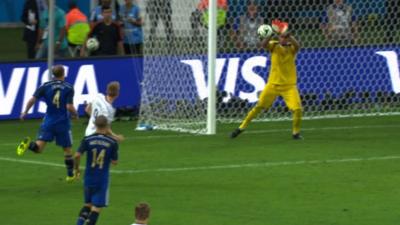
102 105
142 214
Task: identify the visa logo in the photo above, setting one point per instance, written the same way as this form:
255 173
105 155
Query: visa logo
86 77
256 80
246 69
393 66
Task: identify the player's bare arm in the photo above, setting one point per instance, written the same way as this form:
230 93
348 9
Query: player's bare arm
137 22
39 38
88 109
77 160
82 52
72 110
118 137
120 46
61 37
29 105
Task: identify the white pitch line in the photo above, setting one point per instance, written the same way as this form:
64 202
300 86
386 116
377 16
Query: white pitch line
267 131
219 167
31 162
310 129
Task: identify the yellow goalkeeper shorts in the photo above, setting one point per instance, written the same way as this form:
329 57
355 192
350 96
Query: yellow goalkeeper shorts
289 93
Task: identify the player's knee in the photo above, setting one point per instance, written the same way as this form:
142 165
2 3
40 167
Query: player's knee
67 151
297 112
95 209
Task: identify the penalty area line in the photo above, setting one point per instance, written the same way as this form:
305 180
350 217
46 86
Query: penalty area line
220 167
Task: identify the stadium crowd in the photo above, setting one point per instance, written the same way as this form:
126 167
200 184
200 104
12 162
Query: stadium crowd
117 28
118 24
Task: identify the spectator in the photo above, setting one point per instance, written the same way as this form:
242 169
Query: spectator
340 26
142 214
392 20
30 17
133 31
77 27
160 9
200 16
42 6
60 48
97 15
108 33
248 25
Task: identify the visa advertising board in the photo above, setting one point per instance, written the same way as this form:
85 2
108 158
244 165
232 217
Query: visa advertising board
240 75
18 82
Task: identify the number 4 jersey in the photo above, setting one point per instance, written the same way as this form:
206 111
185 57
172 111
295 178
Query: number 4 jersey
57 94
100 106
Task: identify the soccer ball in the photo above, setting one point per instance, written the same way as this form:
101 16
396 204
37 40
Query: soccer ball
92 44
264 31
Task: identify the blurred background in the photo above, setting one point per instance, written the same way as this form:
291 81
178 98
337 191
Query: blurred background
375 21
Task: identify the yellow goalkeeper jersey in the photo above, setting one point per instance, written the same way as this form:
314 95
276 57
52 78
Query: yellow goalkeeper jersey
283 65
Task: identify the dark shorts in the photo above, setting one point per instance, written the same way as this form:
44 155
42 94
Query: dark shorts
97 196
63 136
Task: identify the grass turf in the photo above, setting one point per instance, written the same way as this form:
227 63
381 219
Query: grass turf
262 177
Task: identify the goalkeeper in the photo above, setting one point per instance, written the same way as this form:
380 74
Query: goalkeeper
282 79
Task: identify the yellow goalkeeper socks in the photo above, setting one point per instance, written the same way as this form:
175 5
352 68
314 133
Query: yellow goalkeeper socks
253 113
297 114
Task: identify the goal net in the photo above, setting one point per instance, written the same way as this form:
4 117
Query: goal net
348 64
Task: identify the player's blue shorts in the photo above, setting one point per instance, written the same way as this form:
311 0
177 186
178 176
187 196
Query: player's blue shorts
63 136
97 196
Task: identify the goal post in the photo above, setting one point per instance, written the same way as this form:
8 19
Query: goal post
212 55
339 74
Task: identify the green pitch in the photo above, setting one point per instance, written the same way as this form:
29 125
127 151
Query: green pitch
345 172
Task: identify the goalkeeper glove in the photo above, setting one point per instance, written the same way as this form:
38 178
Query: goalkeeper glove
279 27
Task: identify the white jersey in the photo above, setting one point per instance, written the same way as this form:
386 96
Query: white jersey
100 106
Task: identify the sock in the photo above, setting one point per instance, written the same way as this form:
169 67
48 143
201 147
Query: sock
69 164
92 218
253 113
296 121
83 215
33 147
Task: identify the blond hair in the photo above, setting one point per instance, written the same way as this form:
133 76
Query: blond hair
113 89
58 71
